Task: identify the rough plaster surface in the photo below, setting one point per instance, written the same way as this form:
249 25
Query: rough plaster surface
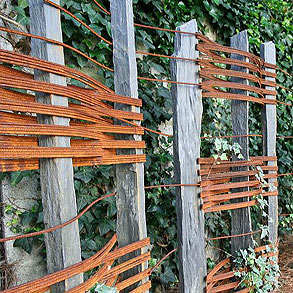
27 267
4 8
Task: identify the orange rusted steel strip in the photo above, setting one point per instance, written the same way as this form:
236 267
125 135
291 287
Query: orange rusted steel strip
209 161
57 43
213 45
209 182
230 164
33 62
8 152
223 276
142 288
270 168
218 187
213 169
230 96
231 206
215 192
83 130
77 19
66 273
29 141
67 91
89 283
227 197
210 84
264 158
56 227
222 288
103 256
10 165
132 280
127 249
208 47
233 236
74 112
127 265
228 175
101 7
250 193
217 268
123 159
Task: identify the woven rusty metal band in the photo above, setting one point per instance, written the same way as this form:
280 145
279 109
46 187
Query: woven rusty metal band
216 182
215 79
107 273
212 84
103 260
91 118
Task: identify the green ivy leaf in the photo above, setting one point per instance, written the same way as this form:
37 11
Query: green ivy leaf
16 177
102 288
2 175
22 3
84 175
26 244
168 276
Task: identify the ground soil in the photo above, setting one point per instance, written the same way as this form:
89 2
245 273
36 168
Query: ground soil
286 265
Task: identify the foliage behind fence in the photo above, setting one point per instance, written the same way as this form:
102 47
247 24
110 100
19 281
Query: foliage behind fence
267 20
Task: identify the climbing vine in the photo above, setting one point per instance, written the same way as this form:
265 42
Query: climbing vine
266 20
261 269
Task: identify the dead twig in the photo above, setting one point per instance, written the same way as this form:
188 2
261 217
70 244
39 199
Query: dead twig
10 20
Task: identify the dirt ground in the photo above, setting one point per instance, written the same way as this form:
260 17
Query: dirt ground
286 265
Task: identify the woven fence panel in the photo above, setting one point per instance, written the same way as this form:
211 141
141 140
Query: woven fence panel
91 112
108 270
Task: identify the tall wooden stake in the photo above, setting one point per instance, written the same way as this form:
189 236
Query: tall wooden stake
130 199
269 132
58 195
187 114
241 219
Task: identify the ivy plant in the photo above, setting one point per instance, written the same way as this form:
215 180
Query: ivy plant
102 288
261 269
268 20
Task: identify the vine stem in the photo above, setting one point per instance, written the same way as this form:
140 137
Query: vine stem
8 19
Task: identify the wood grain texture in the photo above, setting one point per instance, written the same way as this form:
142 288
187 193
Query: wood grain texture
187 114
240 218
130 199
269 132
56 175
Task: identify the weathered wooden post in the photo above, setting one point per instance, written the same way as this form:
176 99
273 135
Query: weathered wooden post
241 219
187 114
58 195
130 199
269 132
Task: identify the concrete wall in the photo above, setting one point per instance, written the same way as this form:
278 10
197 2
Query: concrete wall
23 196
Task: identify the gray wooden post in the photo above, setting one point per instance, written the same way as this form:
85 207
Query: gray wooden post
240 218
269 132
130 199
58 195
187 114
